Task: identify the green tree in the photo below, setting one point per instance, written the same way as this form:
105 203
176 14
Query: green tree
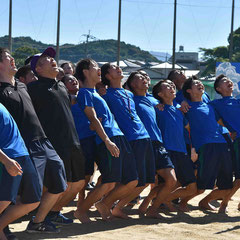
21 53
221 54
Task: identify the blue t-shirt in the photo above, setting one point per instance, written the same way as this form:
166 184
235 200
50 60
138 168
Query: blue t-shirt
81 122
11 142
122 105
152 99
228 109
171 122
147 114
203 125
88 97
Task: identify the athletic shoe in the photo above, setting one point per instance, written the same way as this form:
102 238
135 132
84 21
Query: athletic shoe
89 187
9 235
42 227
59 218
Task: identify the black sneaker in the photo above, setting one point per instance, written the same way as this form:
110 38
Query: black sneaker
42 227
59 218
9 235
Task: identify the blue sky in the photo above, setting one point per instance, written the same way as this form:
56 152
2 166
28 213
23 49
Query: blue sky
145 23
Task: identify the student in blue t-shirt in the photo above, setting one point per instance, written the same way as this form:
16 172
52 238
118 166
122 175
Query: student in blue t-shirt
214 154
138 84
121 104
85 135
228 110
114 156
150 97
171 122
15 168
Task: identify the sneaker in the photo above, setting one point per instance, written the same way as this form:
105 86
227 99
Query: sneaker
42 227
89 187
93 184
59 218
9 235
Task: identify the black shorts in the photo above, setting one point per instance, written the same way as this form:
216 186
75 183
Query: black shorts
74 162
215 163
183 167
89 148
49 165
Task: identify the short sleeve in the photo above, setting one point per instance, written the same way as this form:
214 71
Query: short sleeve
85 99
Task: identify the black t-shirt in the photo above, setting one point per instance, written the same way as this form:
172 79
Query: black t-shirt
19 104
52 105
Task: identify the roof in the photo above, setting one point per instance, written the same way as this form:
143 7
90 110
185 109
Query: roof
167 65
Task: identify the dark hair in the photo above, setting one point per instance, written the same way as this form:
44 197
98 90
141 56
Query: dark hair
23 71
3 50
157 88
104 71
73 66
187 85
62 65
171 75
130 79
217 81
66 77
81 65
28 60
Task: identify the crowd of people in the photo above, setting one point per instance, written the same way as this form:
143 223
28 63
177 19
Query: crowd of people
59 124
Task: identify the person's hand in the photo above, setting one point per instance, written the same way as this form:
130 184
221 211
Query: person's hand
194 155
184 107
233 135
160 106
13 167
112 148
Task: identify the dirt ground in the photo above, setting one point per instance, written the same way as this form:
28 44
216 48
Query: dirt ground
193 225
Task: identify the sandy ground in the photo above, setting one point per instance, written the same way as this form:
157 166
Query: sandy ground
193 225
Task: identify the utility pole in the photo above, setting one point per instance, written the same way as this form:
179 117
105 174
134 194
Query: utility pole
88 37
58 30
119 31
174 34
10 27
231 34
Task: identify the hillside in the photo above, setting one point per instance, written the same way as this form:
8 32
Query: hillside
101 50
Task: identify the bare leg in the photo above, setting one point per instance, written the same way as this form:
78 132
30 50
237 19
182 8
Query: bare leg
182 193
236 186
2 236
153 193
169 176
184 201
117 211
69 194
94 196
47 202
117 193
81 194
14 212
214 195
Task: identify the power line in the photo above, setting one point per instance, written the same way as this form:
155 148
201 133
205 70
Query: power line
179 4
